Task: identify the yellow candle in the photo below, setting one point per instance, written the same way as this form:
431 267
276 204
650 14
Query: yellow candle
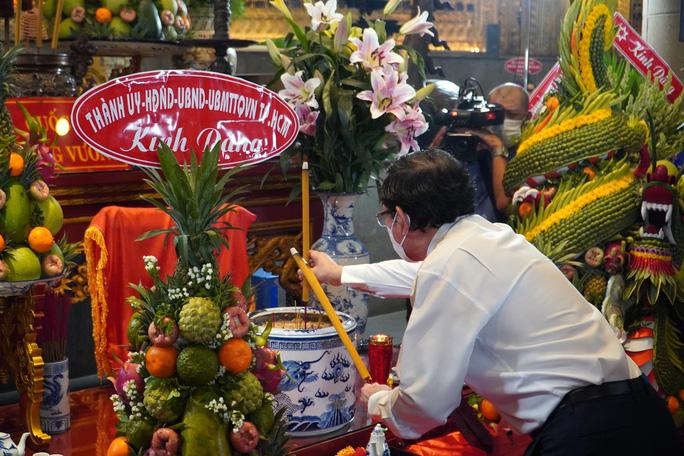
332 316
306 225
55 28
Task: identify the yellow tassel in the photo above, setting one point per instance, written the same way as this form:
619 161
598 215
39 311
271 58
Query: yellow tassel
92 240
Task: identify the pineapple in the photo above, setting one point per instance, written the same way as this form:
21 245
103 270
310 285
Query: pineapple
595 289
193 197
199 320
6 68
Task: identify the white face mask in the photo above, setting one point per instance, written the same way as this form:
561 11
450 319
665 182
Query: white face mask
510 132
398 246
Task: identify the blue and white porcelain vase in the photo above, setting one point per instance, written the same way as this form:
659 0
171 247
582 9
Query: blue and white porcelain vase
55 413
339 241
319 390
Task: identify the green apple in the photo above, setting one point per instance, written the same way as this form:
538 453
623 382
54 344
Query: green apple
115 5
119 28
170 5
71 4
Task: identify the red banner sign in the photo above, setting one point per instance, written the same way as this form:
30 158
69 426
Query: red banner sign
129 117
71 153
549 83
516 65
643 57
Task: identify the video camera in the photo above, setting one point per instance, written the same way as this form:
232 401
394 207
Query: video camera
470 110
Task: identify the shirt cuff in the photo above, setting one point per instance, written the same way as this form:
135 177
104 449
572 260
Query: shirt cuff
380 404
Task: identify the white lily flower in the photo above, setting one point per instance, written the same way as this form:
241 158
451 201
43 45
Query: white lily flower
323 14
390 93
298 91
371 54
418 25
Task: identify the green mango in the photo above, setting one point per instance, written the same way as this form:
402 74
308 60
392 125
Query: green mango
17 212
203 434
53 216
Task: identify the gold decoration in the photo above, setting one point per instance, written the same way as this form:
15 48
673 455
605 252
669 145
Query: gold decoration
19 351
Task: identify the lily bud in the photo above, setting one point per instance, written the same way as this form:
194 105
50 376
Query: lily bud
282 7
424 92
273 52
342 33
390 7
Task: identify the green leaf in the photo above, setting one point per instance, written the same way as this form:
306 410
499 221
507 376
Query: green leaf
379 27
153 233
327 95
355 83
345 103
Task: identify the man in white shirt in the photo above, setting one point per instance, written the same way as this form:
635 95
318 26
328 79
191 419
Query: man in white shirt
491 311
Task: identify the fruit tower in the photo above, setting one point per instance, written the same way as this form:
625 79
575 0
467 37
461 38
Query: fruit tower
121 19
199 379
592 190
29 216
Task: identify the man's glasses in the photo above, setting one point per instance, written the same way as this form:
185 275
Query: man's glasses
381 217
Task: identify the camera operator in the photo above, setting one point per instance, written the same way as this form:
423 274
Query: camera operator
465 125
515 100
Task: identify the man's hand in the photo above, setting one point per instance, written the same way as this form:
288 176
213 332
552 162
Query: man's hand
324 268
492 141
369 389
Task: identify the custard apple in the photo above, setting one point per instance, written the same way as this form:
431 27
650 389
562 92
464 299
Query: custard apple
199 320
245 389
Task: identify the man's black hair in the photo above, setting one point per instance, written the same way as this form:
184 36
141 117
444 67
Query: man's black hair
431 186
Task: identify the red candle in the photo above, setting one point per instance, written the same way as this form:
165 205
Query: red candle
380 357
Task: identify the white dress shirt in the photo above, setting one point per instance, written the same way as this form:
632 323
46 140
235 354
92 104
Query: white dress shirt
386 279
490 310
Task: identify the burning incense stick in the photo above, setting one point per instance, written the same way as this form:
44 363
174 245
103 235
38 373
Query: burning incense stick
55 27
332 316
17 22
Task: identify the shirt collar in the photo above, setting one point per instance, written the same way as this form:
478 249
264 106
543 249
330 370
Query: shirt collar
442 231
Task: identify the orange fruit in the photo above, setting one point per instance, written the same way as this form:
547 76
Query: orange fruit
672 404
119 447
103 15
16 164
235 355
489 411
40 239
2 243
161 361
681 395
525 209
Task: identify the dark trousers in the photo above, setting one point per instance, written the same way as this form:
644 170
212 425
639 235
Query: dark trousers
603 421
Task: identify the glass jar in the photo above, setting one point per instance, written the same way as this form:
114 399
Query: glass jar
42 72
